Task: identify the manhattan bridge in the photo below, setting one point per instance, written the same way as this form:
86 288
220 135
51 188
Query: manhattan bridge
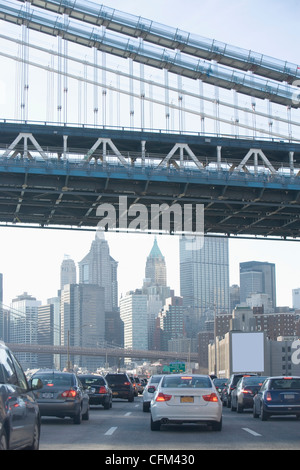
109 104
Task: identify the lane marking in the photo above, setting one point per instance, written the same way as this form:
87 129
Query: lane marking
251 432
111 431
128 413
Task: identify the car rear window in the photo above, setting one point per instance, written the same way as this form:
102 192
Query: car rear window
55 380
92 380
155 379
117 379
186 382
285 384
254 380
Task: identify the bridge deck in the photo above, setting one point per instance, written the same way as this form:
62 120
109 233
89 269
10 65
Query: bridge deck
239 201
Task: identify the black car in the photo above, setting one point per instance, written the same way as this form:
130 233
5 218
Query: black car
220 384
277 396
120 385
19 412
231 385
62 395
246 389
98 390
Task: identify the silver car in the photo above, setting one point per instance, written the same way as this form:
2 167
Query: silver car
62 395
149 390
182 398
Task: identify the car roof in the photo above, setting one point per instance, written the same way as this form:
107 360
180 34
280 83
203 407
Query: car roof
52 371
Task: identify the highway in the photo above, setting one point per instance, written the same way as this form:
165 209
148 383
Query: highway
125 430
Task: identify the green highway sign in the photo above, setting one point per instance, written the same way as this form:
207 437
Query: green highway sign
177 367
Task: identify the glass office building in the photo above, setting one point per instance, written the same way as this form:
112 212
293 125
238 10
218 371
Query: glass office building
204 279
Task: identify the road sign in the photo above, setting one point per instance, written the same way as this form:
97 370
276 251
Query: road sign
177 367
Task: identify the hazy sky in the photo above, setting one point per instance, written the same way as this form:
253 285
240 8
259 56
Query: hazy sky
30 258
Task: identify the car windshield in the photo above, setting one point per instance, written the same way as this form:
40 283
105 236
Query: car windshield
92 380
55 380
186 382
285 384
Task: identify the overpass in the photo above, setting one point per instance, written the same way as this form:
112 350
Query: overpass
102 352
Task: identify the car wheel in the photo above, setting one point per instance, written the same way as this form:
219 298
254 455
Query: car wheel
233 408
154 425
146 407
263 414
217 426
239 408
3 440
255 415
78 417
106 405
36 438
86 415
131 399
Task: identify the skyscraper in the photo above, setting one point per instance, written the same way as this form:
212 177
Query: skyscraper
133 312
204 280
257 277
155 288
98 267
67 272
155 270
25 329
82 319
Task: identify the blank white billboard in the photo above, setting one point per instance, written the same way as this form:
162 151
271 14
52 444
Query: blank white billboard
247 351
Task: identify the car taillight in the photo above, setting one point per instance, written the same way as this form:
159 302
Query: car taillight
245 391
163 397
127 383
102 389
212 397
268 396
69 394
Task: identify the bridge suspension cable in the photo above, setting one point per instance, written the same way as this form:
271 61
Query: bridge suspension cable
199 110
173 38
154 56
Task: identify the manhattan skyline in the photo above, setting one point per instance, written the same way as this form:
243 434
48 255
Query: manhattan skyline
31 261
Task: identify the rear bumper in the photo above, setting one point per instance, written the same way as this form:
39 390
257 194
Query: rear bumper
171 414
282 409
123 394
246 402
98 399
69 409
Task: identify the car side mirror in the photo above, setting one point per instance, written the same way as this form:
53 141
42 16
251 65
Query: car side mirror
35 384
151 389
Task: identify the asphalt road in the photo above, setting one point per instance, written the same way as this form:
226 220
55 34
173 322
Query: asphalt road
125 427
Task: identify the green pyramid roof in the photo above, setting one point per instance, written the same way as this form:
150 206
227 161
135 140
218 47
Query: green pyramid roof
155 251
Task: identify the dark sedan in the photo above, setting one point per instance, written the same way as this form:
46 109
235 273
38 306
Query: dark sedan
98 390
62 395
19 411
277 396
246 389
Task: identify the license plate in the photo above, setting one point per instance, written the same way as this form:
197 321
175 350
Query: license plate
186 399
289 396
47 395
115 393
